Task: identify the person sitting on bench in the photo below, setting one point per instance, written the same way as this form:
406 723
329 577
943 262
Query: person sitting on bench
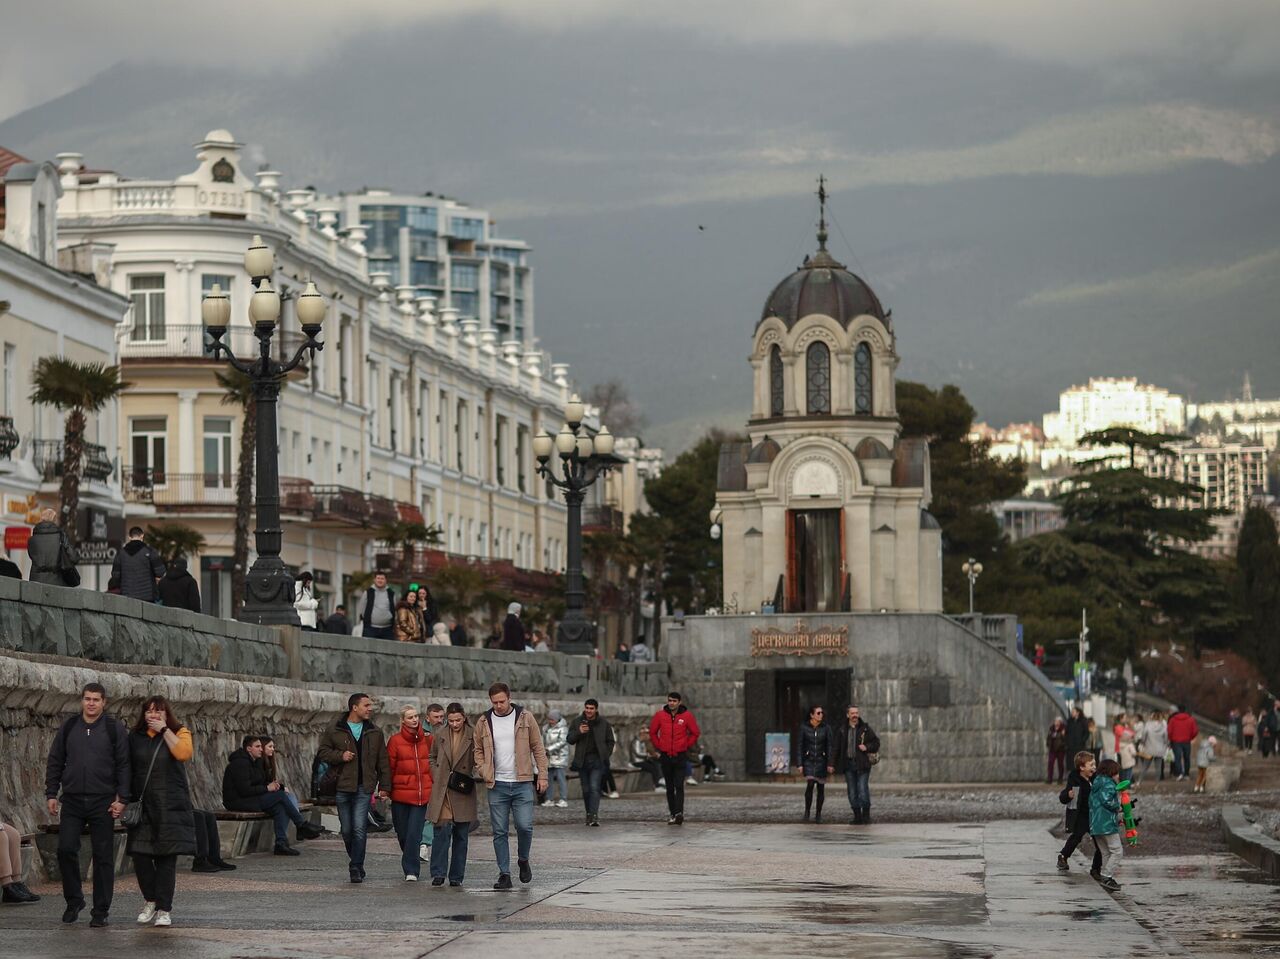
245 789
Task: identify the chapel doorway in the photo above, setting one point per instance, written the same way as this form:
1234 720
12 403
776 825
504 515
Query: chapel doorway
816 581
778 701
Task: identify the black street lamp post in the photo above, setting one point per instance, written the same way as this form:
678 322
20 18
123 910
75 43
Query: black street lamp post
583 459
268 597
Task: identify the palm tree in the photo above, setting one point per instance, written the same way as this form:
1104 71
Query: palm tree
403 535
76 389
238 391
172 540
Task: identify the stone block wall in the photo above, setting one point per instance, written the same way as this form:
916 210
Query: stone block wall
947 705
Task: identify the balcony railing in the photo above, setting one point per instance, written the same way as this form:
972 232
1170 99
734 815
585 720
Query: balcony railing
187 340
602 519
203 491
9 438
47 455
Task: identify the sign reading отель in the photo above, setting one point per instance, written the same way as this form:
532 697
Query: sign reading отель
801 641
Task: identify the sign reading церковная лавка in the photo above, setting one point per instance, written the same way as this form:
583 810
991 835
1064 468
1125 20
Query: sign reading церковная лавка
800 641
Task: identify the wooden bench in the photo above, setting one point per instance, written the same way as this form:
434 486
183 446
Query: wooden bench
244 833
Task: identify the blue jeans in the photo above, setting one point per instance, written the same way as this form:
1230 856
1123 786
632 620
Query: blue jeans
556 775
591 775
353 818
859 785
505 801
408 821
1181 758
278 806
451 837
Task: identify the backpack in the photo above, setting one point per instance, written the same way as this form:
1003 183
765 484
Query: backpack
70 721
324 781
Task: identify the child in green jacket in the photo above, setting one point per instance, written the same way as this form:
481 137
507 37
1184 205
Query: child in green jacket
1104 808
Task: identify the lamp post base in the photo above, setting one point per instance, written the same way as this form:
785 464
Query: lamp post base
268 594
576 637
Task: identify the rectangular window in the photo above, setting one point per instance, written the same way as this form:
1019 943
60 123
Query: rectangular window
464 276
467 304
460 435
508 255
424 273
384 222
147 443
466 228
423 218
423 247
10 379
146 291
217 453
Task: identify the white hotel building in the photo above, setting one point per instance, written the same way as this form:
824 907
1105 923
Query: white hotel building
412 410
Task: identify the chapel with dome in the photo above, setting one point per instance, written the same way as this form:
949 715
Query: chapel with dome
825 507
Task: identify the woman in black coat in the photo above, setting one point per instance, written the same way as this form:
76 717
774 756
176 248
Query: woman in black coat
159 747
816 748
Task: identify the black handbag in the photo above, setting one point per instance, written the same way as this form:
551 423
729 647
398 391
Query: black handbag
461 783
132 815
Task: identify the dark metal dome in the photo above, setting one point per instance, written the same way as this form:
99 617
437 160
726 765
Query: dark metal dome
822 285
766 451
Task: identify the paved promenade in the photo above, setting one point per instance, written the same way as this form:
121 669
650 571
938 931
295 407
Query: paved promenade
703 890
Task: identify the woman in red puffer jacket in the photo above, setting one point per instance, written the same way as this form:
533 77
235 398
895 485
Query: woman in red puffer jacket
409 751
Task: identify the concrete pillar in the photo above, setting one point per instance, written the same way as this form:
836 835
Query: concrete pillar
187 431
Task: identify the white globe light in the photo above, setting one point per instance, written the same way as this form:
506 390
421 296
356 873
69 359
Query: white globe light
585 447
574 410
258 259
215 309
311 306
543 444
604 442
264 305
566 441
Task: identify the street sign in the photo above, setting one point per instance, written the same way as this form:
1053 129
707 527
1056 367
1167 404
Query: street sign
96 552
16 537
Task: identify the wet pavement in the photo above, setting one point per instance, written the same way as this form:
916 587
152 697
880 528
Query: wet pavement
716 889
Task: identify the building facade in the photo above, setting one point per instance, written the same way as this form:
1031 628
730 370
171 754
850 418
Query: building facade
49 311
1111 401
410 412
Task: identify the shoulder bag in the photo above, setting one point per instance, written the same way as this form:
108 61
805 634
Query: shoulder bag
132 815
462 783
872 757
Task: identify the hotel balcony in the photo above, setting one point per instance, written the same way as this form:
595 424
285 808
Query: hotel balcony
47 455
205 492
186 342
602 519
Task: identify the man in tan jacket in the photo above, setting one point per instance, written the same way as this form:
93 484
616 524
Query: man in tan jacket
509 758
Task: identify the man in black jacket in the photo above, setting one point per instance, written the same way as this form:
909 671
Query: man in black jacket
89 765
856 743
179 589
245 789
1075 796
1077 733
139 567
337 622
593 741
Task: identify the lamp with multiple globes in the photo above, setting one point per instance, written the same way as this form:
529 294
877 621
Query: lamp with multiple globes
972 569
583 460
268 598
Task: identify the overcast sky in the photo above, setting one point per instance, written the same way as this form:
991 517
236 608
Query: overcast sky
999 170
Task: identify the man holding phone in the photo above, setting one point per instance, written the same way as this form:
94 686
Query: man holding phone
593 741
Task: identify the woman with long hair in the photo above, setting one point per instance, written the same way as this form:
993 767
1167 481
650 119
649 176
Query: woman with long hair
408 622
270 771
816 748
409 753
159 749
453 801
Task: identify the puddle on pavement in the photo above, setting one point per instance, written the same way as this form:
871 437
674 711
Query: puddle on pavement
462 917
1085 915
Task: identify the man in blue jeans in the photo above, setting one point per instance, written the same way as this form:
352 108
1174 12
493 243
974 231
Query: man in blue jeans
245 789
856 743
356 747
592 738
510 758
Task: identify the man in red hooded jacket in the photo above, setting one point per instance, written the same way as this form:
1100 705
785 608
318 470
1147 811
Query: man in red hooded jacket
1182 730
673 732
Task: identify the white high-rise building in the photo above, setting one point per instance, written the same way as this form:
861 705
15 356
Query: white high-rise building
1113 401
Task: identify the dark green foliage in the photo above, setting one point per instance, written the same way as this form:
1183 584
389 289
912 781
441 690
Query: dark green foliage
1258 590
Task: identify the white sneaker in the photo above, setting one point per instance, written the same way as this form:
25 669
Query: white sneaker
659 789
424 853
410 877
148 913
691 781
163 918
562 804
662 782
614 795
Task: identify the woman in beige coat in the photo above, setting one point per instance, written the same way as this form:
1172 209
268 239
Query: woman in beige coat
451 811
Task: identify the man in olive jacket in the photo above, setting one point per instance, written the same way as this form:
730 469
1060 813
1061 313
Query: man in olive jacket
509 755
593 741
856 743
358 750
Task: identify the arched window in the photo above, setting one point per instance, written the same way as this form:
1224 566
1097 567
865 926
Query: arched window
862 379
776 392
818 378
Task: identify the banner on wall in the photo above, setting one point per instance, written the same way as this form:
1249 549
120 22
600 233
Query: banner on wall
777 752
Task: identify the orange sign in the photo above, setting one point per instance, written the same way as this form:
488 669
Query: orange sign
16 537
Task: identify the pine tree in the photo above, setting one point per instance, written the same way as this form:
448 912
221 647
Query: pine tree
1258 578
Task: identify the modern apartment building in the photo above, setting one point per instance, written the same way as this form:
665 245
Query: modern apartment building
437 247
409 412
1112 401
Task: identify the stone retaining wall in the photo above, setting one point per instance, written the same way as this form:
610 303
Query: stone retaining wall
988 726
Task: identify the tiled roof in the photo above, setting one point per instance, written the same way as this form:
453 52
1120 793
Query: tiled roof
8 158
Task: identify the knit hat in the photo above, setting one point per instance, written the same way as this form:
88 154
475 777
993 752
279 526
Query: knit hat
513 609
554 715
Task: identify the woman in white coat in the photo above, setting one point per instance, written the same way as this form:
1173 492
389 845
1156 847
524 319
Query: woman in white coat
305 602
439 635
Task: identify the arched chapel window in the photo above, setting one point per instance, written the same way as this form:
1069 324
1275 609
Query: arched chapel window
862 379
818 378
776 391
